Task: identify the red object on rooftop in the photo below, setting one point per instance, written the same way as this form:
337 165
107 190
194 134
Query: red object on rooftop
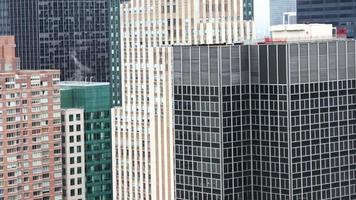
273 40
341 32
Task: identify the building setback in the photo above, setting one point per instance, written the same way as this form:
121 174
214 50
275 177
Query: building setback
73 154
338 13
81 38
269 121
30 129
94 99
142 126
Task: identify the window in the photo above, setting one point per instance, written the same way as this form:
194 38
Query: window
71 118
79 149
79 170
79 159
79 181
72 181
72 192
71 128
79 191
71 149
78 127
72 160
36 193
71 139
72 171
78 138
77 117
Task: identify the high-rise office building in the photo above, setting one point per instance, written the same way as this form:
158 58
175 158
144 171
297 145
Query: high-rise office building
81 38
212 144
338 13
267 121
248 9
142 127
94 99
73 154
30 129
269 13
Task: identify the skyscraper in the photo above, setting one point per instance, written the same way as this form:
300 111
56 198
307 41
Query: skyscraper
81 38
248 9
211 117
30 129
338 13
142 127
268 121
94 99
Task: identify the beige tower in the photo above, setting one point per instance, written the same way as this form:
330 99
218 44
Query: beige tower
142 127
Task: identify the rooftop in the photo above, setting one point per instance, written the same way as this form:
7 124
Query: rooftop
72 109
82 83
298 27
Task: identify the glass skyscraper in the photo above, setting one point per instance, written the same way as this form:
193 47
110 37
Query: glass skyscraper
81 38
213 146
248 9
269 121
338 13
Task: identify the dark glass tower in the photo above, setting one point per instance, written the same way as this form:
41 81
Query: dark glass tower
248 9
338 13
212 129
81 38
272 121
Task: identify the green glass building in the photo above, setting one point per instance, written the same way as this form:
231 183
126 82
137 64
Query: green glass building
95 99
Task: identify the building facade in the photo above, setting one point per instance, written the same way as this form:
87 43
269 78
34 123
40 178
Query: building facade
338 13
81 38
95 100
142 127
30 135
248 9
269 121
73 154
277 8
